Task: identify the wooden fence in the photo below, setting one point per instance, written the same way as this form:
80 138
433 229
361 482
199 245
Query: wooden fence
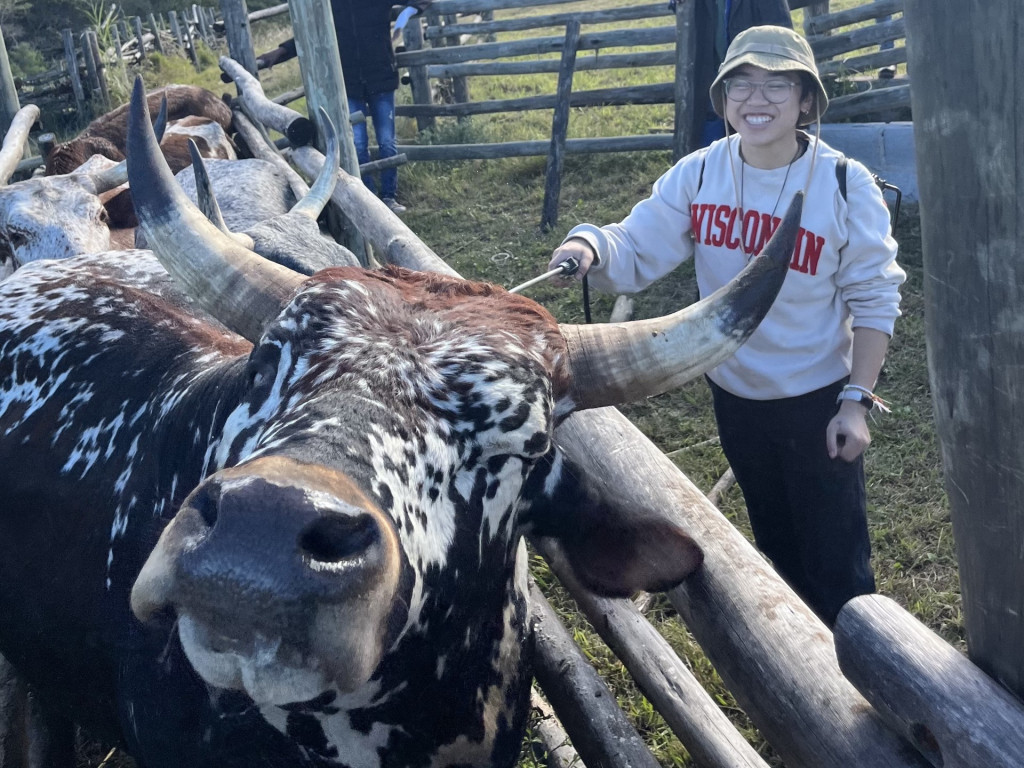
78 84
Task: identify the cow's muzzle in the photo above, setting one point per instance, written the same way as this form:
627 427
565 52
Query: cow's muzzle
278 571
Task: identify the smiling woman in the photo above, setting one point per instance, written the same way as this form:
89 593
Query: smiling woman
792 403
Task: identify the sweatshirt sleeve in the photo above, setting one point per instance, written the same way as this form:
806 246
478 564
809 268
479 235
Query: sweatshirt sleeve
869 277
651 241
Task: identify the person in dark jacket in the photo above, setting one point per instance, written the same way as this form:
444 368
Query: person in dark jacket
363 28
717 23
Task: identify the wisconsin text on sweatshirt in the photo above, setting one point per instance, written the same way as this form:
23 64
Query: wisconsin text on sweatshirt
715 225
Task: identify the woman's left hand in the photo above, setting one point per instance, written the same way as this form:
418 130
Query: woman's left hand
847 435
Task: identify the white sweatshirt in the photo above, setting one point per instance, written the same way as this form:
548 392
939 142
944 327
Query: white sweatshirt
843 273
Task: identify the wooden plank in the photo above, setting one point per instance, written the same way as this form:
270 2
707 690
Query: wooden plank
268 13
955 714
559 128
481 28
657 93
139 41
855 39
71 58
869 62
868 102
483 6
537 66
822 24
968 94
442 152
157 43
9 104
539 45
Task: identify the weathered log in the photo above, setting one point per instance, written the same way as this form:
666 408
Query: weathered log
560 752
419 81
599 730
15 141
155 29
956 715
236 28
690 712
688 116
267 13
140 43
299 130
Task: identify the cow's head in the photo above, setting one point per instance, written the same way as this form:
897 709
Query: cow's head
391 442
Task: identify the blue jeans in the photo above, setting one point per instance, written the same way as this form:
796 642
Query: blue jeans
379 107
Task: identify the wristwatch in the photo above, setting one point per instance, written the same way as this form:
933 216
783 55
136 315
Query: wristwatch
855 394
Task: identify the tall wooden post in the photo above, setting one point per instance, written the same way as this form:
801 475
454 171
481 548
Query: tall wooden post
968 128
236 27
560 127
71 59
316 43
9 104
684 135
158 46
418 80
139 37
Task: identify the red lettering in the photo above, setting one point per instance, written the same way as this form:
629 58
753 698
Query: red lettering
812 251
697 217
767 229
751 229
721 220
731 241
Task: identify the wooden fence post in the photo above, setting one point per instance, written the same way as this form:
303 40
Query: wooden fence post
157 45
101 69
972 206
236 27
419 83
115 38
684 131
9 104
559 128
71 59
317 45
90 69
139 39
191 43
813 10
172 17
460 88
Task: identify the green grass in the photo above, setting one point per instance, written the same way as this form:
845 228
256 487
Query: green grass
483 218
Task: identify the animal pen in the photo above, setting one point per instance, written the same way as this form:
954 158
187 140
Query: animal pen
882 690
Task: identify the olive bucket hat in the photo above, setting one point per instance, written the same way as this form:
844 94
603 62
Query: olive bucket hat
776 49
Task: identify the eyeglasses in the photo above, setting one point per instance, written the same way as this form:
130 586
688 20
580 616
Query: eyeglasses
775 91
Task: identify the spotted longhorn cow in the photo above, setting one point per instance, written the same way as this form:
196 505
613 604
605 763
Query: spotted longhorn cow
291 535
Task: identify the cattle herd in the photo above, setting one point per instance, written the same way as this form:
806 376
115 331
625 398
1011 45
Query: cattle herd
262 507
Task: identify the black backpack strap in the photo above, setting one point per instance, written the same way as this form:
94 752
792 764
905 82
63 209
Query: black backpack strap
841 175
700 179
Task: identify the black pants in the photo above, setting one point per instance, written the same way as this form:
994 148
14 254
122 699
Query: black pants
808 511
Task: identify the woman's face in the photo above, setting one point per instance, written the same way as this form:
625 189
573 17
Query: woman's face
757 118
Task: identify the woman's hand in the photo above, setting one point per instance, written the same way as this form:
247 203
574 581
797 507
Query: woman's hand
847 435
575 248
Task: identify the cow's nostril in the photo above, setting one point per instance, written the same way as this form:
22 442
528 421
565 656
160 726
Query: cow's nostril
205 502
338 537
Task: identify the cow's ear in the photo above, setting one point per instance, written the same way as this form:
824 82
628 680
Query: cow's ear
619 560
614 547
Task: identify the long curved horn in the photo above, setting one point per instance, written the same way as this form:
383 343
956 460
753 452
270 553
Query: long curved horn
116 175
207 200
15 141
614 363
320 193
230 282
